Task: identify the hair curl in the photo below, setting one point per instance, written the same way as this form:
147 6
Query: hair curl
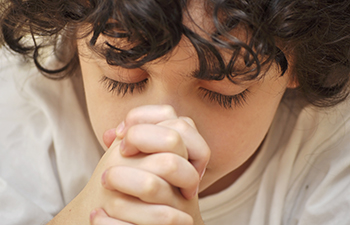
315 33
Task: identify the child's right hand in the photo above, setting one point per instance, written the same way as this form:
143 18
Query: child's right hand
162 155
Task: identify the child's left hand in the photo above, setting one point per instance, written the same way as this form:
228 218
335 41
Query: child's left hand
164 157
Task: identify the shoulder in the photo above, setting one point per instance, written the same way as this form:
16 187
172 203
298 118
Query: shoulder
319 148
44 130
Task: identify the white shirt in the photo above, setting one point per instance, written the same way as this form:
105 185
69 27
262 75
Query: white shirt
48 152
47 148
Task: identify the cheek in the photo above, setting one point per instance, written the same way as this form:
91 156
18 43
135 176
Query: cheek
234 141
102 119
234 137
104 111
102 116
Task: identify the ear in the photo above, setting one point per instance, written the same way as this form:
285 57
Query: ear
293 79
293 82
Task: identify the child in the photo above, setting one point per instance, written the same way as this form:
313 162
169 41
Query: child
175 112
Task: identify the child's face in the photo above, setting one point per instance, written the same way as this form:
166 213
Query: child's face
233 135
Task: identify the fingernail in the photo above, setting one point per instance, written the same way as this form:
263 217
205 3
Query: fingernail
122 146
120 128
111 131
93 214
196 192
201 177
103 178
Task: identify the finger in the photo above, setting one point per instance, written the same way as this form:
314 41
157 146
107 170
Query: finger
149 138
150 114
175 170
133 210
141 184
189 121
197 148
100 217
109 136
182 138
151 177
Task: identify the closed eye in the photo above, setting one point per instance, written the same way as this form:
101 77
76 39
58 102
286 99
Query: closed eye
226 101
121 88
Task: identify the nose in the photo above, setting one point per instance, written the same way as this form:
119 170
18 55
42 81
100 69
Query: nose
173 94
171 82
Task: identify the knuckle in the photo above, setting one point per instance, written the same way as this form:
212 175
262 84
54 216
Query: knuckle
172 139
166 215
133 116
169 164
167 110
178 124
150 186
189 121
182 125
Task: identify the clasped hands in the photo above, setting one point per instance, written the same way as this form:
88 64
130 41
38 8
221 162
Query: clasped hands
151 172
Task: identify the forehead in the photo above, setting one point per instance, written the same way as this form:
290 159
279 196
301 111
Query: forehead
222 52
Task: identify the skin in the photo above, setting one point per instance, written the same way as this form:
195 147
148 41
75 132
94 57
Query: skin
232 135
166 136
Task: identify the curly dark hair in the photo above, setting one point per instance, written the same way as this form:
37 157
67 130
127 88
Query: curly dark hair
315 33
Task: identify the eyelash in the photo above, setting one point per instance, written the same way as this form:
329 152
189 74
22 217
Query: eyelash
123 88
226 101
